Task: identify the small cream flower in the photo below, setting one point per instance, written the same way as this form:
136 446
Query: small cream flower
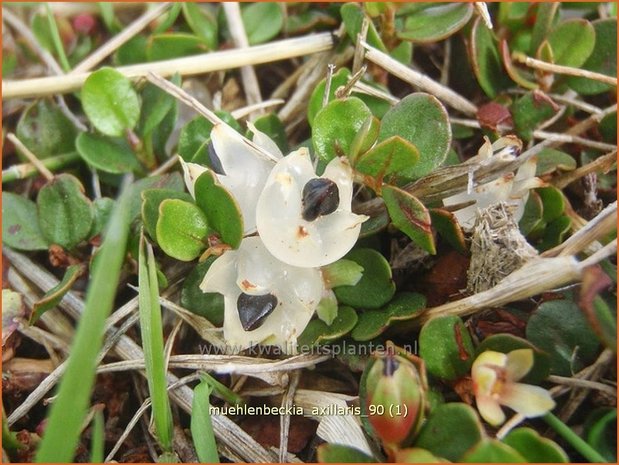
240 168
266 301
495 377
510 188
306 220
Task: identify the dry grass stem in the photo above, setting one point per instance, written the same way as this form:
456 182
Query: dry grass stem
165 166
571 139
567 70
187 66
445 94
583 383
247 110
601 164
359 50
41 168
251 86
119 39
284 420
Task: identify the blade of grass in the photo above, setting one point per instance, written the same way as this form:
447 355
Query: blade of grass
69 409
573 439
201 426
98 438
152 342
222 391
53 27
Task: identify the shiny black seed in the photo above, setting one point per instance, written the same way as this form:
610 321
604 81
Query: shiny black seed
321 196
214 160
254 309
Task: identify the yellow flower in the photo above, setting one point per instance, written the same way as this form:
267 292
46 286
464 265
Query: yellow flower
495 377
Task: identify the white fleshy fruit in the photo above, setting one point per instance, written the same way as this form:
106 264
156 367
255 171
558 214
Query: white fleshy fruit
266 301
305 220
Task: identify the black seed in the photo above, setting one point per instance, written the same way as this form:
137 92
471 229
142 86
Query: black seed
214 160
321 196
254 309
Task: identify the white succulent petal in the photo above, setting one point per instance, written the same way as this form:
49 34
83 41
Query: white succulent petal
191 172
294 242
519 363
246 196
338 234
221 275
257 269
339 171
302 284
265 142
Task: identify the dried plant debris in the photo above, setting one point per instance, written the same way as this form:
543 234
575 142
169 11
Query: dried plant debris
309 232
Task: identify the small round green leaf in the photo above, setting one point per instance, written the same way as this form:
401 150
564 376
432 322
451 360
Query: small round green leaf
446 347
393 155
20 223
534 448
560 329
65 213
533 211
336 126
209 305
446 223
318 332
156 104
45 130
492 451
601 432
372 323
273 127
106 154
352 16
173 181
529 111
151 200
262 21
220 207
451 430
339 79
505 343
110 102
552 201
422 120
103 207
202 22
375 288
572 42
410 216
602 60
429 22
181 229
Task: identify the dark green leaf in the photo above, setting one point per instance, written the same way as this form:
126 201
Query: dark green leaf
20 223
446 223
560 329
529 111
451 430
133 51
486 60
110 102
103 207
173 181
56 293
339 453
544 17
492 451
535 448
422 120
602 433
318 332
555 233
553 201
156 104
410 216
372 323
112 155
339 79
152 199
430 22
193 137
375 288
336 126
220 207
169 19
262 21
65 213
209 305
181 229
602 60
551 160
505 343
532 216
446 347
45 130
